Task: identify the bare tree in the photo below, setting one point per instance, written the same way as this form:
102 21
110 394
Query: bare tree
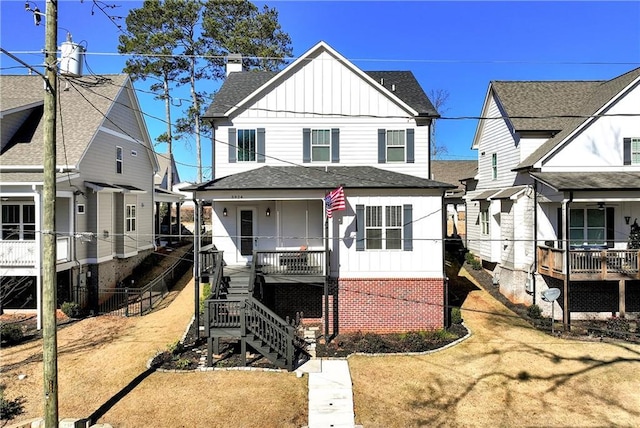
439 98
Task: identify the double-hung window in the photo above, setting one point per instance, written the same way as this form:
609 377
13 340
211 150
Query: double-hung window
18 222
246 145
484 219
119 160
130 218
587 227
635 151
320 145
396 145
383 228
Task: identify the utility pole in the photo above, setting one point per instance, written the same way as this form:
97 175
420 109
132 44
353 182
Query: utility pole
49 287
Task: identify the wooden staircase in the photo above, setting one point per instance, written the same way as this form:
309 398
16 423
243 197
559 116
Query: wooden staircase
234 311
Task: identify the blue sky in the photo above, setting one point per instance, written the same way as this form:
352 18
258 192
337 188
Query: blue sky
455 46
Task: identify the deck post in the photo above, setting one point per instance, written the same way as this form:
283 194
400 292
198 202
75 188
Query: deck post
621 297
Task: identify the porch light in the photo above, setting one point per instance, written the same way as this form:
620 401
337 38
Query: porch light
601 206
268 212
627 219
224 212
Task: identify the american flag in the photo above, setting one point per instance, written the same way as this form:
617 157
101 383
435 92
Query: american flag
334 201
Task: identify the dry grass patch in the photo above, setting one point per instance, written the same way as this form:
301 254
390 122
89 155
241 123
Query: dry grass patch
507 374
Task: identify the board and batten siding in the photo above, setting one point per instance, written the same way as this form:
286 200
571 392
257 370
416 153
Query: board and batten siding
105 221
323 94
600 146
425 260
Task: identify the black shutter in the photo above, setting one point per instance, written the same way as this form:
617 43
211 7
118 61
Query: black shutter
260 155
610 222
411 157
360 227
306 145
233 149
626 143
335 145
407 219
382 146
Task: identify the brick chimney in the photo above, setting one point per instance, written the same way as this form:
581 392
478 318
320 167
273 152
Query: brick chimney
234 63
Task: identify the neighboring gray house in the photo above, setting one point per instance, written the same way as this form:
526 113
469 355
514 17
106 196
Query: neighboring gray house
168 200
557 192
105 186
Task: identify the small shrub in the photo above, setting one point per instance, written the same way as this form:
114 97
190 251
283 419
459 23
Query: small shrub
456 316
473 261
11 333
206 293
617 328
183 364
9 409
70 309
443 334
176 348
534 312
372 343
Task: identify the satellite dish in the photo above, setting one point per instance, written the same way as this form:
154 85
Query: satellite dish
551 294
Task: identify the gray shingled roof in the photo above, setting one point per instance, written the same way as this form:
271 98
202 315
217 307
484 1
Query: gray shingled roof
84 105
452 171
573 101
239 85
301 177
566 181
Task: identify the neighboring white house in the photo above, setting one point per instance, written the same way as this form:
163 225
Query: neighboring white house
283 141
105 188
558 189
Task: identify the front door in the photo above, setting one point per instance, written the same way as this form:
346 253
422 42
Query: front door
247 234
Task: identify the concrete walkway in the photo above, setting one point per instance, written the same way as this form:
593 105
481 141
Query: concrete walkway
330 393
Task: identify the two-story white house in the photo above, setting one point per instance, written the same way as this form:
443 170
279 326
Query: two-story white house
557 192
285 140
105 186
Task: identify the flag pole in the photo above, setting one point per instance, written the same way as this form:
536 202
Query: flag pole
327 266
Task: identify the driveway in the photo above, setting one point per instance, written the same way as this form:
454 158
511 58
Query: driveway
506 374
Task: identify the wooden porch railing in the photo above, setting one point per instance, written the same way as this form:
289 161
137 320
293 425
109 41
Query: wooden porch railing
590 265
302 262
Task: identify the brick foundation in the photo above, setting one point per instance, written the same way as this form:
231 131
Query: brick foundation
385 305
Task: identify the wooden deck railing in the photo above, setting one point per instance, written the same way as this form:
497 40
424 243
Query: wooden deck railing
301 263
586 265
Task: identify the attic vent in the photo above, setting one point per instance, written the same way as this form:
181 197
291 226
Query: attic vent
393 88
382 81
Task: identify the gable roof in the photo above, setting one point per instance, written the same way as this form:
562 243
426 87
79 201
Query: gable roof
82 107
563 107
164 163
238 86
301 177
453 171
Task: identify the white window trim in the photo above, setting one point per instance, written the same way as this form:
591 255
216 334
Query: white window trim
484 220
120 159
494 166
21 224
404 145
130 220
314 143
384 227
255 145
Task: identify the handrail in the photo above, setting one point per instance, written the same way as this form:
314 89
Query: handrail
270 328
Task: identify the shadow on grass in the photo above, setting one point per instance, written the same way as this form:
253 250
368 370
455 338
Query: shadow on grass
102 410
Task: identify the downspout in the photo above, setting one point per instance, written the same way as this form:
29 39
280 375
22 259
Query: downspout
196 263
535 239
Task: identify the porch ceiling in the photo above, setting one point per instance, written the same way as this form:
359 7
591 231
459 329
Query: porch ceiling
300 177
566 181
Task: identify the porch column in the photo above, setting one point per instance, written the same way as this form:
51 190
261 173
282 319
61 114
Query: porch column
566 318
179 220
158 223
622 298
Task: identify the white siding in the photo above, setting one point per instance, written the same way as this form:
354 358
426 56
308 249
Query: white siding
600 146
496 138
426 259
323 94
